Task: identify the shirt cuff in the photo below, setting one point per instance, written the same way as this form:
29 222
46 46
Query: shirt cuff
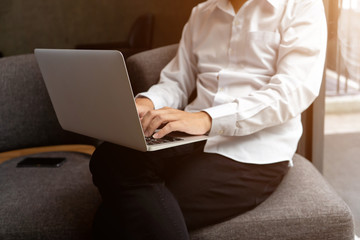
223 119
156 100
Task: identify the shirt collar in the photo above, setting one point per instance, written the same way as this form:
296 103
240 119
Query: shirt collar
274 3
225 4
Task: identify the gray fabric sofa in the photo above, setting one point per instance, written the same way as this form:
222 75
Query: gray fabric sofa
59 203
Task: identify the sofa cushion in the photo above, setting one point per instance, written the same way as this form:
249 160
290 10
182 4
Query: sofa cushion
47 203
303 207
144 68
59 203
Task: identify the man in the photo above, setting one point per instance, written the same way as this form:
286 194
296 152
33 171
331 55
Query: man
255 65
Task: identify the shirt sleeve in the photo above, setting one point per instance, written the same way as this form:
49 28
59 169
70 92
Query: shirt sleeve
300 65
177 79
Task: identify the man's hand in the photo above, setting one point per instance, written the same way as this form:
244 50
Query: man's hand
196 123
143 105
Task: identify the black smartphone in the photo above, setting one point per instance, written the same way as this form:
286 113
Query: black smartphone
52 162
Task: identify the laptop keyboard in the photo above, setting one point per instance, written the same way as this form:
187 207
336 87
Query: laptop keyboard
166 139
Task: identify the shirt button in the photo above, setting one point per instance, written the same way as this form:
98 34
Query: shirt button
220 132
218 77
238 125
221 89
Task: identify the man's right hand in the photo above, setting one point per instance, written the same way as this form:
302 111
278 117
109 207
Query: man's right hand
143 105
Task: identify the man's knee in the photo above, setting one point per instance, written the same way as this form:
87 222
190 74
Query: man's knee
103 159
115 164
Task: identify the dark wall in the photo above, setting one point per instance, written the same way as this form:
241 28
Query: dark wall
25 25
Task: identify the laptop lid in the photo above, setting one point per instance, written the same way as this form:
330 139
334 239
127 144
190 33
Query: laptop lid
91 93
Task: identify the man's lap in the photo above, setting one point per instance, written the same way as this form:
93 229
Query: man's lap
209 188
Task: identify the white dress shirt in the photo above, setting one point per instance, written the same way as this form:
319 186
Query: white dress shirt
255 71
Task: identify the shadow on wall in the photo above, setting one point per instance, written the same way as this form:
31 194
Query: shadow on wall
25 25
139 39
4 7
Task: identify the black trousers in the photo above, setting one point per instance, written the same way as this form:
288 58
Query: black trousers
164 194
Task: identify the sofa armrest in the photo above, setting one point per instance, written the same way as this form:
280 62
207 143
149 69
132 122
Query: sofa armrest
144 68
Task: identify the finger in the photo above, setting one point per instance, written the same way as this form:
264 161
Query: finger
145 121
168 128
162 121
141 110
141 114
155 122
154 119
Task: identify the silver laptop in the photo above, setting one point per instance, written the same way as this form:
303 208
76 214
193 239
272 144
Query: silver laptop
91 93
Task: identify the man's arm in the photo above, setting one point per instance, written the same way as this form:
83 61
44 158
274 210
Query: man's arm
178 78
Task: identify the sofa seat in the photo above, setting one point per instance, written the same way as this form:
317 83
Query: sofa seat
47 203
59 203
303 207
